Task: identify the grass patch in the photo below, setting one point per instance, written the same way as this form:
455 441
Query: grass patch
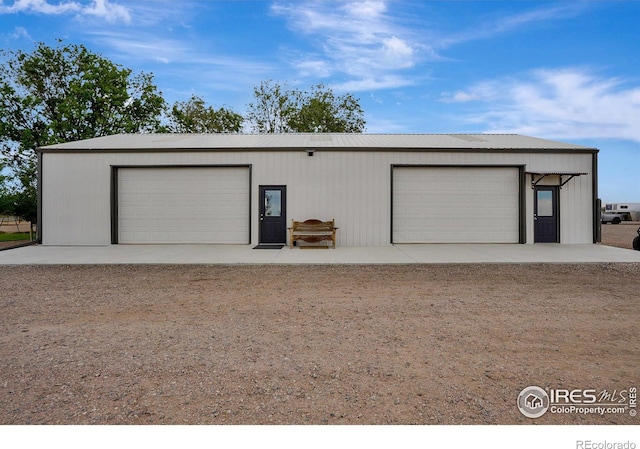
17 236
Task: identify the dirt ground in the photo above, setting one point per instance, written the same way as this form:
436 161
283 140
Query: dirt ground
402 344
620 235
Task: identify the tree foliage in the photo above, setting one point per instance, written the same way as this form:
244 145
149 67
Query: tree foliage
63 94
68 93
321 111
6 198
194 116
278 109
272 108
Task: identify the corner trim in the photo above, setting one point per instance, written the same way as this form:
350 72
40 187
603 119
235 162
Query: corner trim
39 224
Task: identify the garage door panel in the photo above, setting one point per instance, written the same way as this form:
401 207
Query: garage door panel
455 205
183 205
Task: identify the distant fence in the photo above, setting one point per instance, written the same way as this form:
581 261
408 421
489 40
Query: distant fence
9 223
6 219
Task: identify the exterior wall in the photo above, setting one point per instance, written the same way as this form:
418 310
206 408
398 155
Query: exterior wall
75 200
354 187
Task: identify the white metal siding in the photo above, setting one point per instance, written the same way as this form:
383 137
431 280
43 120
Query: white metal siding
75 200
354 187
455 205
183 205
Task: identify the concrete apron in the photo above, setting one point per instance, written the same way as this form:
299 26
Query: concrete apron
245 254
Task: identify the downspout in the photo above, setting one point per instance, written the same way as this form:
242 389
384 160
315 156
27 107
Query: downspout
597 225
39 198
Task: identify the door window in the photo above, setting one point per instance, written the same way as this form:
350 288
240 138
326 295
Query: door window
544 203
273 203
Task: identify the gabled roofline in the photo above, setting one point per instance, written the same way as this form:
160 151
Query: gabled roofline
307 141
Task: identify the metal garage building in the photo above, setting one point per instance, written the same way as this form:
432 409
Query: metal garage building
380 189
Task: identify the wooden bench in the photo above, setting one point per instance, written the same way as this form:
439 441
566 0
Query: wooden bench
312 231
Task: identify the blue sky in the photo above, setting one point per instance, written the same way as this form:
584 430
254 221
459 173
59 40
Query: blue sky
563 70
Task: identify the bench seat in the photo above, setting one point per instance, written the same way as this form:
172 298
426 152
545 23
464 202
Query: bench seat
312 230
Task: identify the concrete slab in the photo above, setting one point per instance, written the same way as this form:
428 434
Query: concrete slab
245 254
499 253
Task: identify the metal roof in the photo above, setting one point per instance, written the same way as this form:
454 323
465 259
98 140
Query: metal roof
346 141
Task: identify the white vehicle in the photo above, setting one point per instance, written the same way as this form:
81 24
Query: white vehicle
612 218
630 211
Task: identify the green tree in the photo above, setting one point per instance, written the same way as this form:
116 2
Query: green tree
68 93
272 108
194 116
7 199
320 111
278 109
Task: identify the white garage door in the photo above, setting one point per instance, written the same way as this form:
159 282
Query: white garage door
455 205
183 205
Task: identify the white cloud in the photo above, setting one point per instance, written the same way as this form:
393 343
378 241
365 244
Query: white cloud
40 6
184 61
142 46
104 9
490 26
397 53
108 11
366 8
359 39
481 91
372 42
21 32
370 83
562 103
314 67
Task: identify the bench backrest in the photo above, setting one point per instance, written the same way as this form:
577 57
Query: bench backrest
313 225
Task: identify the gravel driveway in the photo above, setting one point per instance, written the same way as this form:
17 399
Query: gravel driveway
408 344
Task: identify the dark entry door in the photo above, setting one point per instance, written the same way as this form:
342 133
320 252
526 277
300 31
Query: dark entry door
545 214
273 214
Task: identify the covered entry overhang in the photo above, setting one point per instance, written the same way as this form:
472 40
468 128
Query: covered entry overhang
565 177
556 214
